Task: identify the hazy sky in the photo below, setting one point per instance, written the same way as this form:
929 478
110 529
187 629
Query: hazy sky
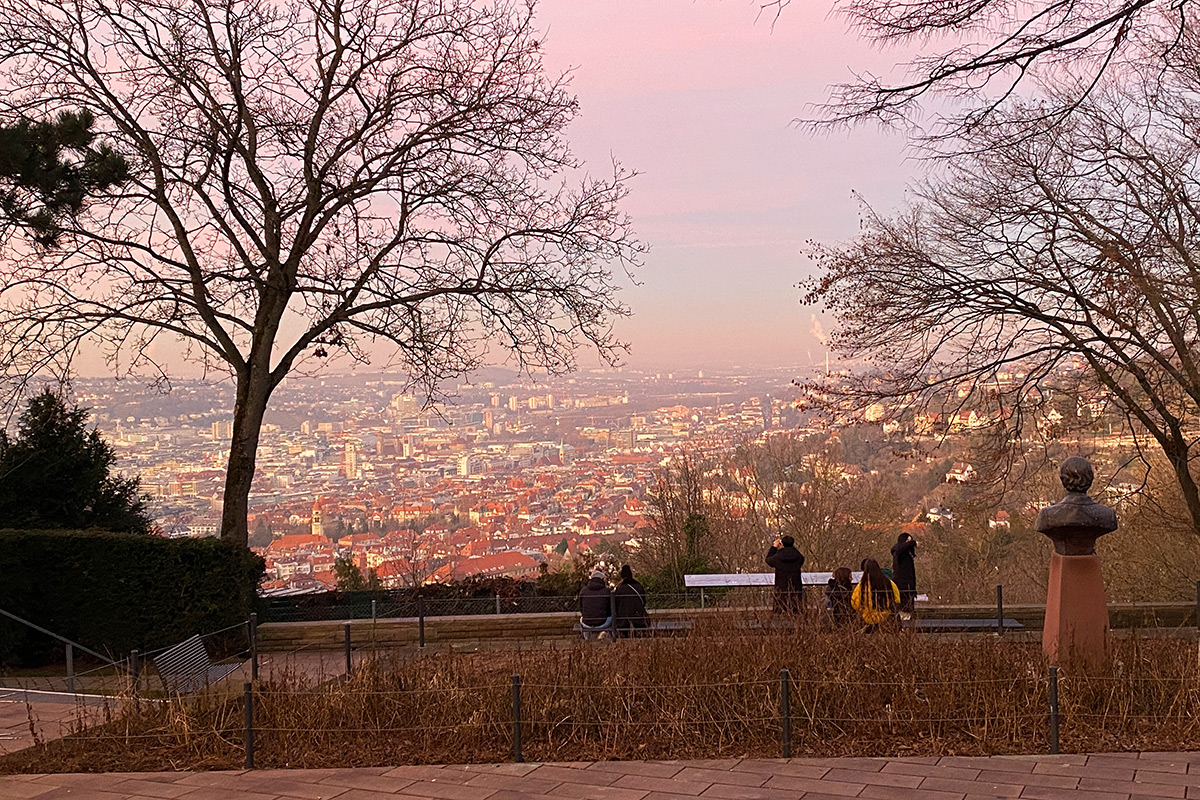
699 96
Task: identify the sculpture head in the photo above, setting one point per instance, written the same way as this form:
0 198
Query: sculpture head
1076 474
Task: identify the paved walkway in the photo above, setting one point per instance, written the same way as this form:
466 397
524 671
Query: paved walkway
1124 776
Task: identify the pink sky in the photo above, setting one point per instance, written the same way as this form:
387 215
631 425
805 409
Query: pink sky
699 97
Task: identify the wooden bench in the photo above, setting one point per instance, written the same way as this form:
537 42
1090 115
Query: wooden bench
737 579
655 626
979 624
187 667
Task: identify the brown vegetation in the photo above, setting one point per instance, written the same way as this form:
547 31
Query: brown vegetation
714 694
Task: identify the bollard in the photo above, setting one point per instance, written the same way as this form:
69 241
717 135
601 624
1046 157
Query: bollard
421 621
248 694
1054 711
785 710
516 719
348 664
1000 609
253 623
70 667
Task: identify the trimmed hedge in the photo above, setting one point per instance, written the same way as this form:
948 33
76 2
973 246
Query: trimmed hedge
114 592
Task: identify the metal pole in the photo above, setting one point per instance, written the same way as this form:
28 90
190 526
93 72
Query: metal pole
248 694
70 667
1000 609
374 616
785 710
497 604
348 664
1054 711
421 620
702 597
253 646
516 719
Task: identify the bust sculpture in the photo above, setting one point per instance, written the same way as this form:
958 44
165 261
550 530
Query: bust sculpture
1075 522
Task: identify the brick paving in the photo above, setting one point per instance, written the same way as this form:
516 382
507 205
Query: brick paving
1111 776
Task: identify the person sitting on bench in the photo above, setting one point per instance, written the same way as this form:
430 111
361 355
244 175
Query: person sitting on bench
595 606
629 599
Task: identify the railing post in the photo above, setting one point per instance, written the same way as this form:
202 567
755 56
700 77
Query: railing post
497 604
421 621
516 719
374 616
253 623
348 664
248 694
1054 710
70 668
702 598
1000 609
785 710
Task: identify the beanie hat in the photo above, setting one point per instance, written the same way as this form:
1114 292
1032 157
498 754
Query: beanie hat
597 574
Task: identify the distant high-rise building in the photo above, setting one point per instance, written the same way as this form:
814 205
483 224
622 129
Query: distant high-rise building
350 461
549 401
512 403
468 465
222 429
495 401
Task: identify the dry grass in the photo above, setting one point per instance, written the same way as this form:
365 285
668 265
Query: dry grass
711 694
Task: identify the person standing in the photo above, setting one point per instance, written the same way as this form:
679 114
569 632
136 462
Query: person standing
629 599
789 577
904 572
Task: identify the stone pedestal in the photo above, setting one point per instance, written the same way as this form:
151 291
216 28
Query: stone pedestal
1076 632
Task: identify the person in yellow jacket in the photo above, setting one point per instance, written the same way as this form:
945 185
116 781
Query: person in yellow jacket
875 598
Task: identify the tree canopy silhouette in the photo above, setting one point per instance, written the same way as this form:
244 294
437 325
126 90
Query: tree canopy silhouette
310 179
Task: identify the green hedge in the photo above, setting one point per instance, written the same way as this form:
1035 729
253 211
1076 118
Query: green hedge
114 592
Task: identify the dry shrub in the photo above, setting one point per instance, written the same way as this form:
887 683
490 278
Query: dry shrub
712 694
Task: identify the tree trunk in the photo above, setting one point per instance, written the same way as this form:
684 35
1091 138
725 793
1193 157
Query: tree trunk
1178 454
253 391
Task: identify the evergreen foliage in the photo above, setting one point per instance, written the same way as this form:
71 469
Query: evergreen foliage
49 168
114 592
57 474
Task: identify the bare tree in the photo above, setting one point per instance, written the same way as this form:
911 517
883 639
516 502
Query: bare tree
986 48
309 178
1062 260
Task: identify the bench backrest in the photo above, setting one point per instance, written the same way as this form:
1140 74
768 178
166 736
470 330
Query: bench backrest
756 579
186 658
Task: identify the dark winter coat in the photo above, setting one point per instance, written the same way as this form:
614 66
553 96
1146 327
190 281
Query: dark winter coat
595 602
904 572
837 598
789 580
629 598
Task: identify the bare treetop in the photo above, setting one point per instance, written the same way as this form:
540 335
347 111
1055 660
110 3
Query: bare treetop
985 49
311 177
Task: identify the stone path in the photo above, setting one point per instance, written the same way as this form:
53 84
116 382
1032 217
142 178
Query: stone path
1122 776
49 714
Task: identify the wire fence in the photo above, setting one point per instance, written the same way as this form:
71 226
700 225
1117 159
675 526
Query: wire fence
271 725
707 698
393 606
